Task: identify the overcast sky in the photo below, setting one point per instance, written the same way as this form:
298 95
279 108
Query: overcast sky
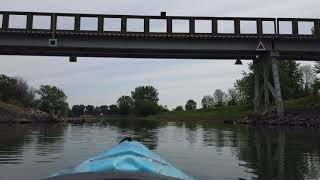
100 81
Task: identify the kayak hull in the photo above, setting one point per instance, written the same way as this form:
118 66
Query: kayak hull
128 156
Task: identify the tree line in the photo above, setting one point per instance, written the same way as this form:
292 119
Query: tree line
297 81
209 102
143 101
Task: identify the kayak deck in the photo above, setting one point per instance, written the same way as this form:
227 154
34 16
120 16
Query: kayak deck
113 176
126 157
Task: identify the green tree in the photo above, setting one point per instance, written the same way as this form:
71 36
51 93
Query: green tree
77 110
15 90
113 109
125 104
163 108
219 97
97 110
178 109
308 77
89 110
145 93
104 109
291 79
207 102
145 100
30 100
52 99
191 105
144 107
63 109
7 86
316 87
232 97
245 86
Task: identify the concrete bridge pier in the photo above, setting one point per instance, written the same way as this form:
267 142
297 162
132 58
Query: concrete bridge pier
266 63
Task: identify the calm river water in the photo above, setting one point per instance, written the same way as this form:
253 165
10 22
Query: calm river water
203 150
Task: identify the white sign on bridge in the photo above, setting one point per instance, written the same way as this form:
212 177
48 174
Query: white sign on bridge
261 47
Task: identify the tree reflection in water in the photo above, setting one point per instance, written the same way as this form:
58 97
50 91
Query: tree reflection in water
141 130
198 147
12 140
50 138
273 153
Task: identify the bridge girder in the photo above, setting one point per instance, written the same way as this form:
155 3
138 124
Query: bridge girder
169 44
180 48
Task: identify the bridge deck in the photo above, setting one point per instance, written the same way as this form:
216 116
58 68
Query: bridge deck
294 38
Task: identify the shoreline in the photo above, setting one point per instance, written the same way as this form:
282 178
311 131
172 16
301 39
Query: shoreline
304 117
14 114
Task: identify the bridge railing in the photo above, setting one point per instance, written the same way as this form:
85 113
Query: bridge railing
33 22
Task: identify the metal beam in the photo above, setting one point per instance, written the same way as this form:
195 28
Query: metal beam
265 84
5 21
257 92
146 25
276 80
100 24
214 45
153 47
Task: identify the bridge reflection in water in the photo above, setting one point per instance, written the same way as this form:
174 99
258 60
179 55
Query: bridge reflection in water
204 150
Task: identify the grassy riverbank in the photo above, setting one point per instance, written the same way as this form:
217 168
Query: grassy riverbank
229 113
12 113
219 114
303 102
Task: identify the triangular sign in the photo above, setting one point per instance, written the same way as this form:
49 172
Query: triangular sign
260 47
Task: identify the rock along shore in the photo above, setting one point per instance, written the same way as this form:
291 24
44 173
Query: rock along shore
13 114
305 117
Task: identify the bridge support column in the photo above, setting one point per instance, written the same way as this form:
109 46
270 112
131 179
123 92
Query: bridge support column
266 70
256 100
277 88
262 68
257 89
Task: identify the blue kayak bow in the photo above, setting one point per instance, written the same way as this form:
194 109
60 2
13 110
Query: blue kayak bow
128 160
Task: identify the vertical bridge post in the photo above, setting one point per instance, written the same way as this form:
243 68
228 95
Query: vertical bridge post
262 68
257 92
53 26
100 24
29 22
146 25
123 24
274 55
266 70
5 21
169 25
77 23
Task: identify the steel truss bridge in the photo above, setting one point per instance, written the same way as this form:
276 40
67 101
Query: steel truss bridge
270 40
